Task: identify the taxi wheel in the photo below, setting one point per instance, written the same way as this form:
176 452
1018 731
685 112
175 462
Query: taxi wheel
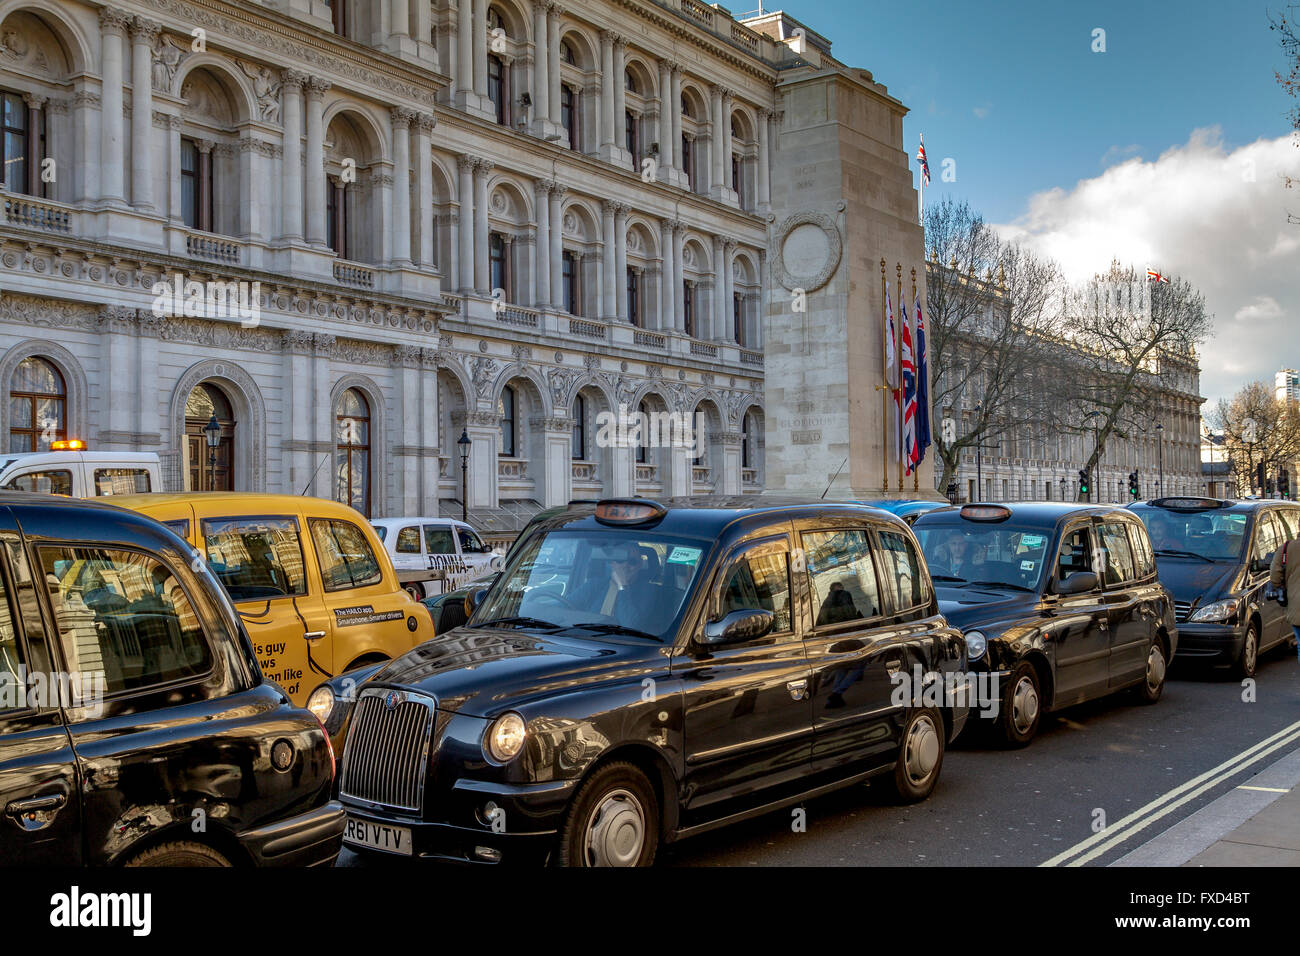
1249 660
920 757
1153 681
1022 707
613 821
180 853
415 589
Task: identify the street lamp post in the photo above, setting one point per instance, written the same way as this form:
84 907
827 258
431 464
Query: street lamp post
1160 437
212 432
463 443
1063 492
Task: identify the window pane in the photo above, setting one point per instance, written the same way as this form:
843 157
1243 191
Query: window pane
760 583
469 542
408 540
842 575
256 558
123 615
438 540
45 482
121 481
1076 554
37 375
902 571
13 686
1119 556
346 560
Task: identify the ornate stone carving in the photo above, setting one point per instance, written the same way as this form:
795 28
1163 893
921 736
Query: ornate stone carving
806 251
560 381
426 122
167 58
112 18
483 371
116 319
401 116
266 88
142 28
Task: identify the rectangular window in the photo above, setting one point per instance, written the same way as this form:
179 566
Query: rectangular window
46 482
190 183
122 481
1075 553
470 543
1144 561
408 541
761 583
633 297
630 138
497 87
16 142
180 527
688 306
506 408
902 572
1119 555
567 118
438 540
499 265
257 559
843 576
569 271
735 174
688 160
125 616
345 557
738 318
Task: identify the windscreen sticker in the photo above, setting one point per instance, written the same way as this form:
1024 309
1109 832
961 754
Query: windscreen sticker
681 555
1026 565
363 614
1032 540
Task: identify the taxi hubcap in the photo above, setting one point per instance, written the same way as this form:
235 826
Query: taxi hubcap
1024 705
922 751
1250 649
1155 668
616 830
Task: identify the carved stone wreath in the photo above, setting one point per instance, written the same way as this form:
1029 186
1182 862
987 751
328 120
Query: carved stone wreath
811 245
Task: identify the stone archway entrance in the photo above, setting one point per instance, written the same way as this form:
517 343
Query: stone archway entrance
206 400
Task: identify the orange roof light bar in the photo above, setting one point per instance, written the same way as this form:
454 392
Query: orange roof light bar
68 444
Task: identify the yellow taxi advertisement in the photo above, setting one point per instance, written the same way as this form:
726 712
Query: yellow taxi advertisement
310 578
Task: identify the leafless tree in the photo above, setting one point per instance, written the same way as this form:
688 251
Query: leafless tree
1258 429
1287 26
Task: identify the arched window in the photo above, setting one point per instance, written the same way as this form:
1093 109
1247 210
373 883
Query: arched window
352 454
209 469
506 413
38 401
579 440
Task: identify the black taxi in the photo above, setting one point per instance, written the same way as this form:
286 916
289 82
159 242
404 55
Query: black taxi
136 728
1059 603
644 671
1214 557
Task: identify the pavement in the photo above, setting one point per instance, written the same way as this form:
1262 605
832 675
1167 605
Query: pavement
1269 805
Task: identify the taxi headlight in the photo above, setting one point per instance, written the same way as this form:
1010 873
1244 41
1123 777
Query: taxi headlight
1218 611
321 702
506 737
976 645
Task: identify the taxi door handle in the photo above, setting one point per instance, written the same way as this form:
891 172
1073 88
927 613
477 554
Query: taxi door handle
893 665
797 689
313 635
20 808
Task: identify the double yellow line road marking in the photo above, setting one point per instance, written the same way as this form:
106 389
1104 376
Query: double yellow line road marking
1137 821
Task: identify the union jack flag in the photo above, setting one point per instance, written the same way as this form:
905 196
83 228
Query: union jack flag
911 450
925 167
1153 276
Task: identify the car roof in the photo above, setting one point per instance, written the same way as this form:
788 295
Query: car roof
75 519
710 515
1025 512
235 503
394 522
1223 505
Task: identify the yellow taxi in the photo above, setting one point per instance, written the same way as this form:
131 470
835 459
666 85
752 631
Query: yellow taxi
310 578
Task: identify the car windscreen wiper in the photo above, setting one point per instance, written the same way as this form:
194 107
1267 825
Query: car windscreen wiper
947 577
518 622
1184 554
1001 584
603 627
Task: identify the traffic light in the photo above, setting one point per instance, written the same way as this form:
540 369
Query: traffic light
1284 484
1259 477
1085 486
1133 488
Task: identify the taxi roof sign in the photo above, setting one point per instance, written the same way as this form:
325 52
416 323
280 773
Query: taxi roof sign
1189 504
68 444
628 511
985 512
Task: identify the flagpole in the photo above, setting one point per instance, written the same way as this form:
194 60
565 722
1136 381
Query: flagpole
916 365
898 377
883 387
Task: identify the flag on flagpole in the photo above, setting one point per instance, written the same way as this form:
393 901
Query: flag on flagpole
925 167
891 366
910 451
923 436
1154 276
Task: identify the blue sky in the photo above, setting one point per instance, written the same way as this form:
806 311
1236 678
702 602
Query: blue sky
1054 109
1167 150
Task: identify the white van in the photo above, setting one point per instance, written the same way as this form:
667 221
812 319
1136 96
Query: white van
434 555
68 469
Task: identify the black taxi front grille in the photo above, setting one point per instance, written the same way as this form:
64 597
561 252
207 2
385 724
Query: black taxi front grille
1182 611
387 750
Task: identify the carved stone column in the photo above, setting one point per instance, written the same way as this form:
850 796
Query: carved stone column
112 24
143 34
315 179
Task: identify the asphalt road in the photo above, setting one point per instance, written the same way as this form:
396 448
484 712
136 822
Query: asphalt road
1025 807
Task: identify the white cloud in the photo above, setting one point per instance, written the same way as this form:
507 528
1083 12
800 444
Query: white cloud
981 112
1214 216
1117 153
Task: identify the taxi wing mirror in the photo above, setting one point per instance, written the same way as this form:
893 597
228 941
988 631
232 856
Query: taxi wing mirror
1080 582
747 624
476 597
1260 565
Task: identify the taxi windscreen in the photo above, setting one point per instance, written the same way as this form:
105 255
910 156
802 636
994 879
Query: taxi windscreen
989 554
604 582
1217 536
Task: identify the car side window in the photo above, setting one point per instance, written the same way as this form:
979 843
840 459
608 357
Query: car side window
438 540
1144 560
902 572
408 541
123 619
346 560
1290 519
58 482
121 481
13 669
761 582
1075 553
469 542
1267 536
1118 564
842 575
255 558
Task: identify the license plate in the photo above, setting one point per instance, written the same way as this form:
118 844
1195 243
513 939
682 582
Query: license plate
378 836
